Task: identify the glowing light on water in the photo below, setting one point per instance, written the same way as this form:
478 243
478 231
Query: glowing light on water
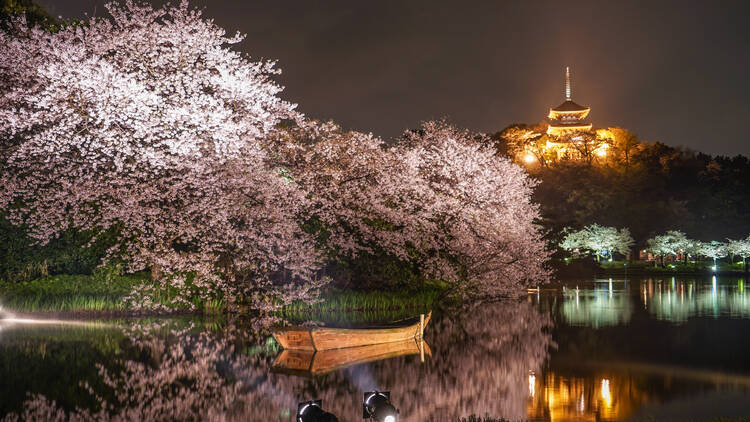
532 385
5 315
713 285
11 319
606 395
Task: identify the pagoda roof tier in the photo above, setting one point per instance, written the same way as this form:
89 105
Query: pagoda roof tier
569 109
570 106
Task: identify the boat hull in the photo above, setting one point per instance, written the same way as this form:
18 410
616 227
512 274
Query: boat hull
322 338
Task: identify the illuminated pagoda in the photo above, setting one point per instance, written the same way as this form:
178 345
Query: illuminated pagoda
568 117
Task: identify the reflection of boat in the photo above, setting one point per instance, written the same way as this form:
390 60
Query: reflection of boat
322 338
309 362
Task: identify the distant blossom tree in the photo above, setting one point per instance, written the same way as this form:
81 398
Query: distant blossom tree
671 243
602 241
713 249
149 122
740 248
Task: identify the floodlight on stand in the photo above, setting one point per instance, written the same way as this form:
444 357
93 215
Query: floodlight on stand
377 406
312 411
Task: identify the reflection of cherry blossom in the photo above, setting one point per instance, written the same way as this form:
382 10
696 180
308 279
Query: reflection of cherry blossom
190 374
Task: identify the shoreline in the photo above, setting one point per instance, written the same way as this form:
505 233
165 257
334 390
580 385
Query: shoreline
10 315
641 272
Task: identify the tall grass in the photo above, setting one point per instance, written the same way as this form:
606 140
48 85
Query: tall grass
104 291
63 303
351 306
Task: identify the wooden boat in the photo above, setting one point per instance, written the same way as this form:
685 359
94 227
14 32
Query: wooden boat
322 338
313 363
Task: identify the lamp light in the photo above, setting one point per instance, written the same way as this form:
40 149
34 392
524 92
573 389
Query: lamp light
312 411
377 406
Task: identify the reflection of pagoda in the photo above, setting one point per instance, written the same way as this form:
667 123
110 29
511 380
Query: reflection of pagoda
568 116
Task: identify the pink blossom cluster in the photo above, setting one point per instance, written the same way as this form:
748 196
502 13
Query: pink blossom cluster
439 198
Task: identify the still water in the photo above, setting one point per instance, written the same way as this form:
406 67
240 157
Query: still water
669 348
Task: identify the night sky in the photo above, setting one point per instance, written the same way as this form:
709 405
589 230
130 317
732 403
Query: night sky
671 71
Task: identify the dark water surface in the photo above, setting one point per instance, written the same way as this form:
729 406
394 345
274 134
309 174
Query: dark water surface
669 348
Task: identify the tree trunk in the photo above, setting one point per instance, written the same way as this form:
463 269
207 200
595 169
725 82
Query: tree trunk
744 263
156 272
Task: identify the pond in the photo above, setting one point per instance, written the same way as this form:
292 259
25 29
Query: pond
667 348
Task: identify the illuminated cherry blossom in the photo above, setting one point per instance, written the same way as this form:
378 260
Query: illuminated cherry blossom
149 122
440 198
602 241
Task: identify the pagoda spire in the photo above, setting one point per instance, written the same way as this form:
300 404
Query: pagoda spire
568 117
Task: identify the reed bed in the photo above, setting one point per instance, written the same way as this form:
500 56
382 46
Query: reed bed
100 293
351 306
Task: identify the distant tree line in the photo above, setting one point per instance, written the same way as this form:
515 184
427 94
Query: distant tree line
605 242
651 188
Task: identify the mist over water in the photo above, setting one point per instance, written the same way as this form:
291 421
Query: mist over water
611 350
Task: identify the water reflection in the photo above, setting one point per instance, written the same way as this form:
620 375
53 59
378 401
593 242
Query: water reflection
611 302
178 370
572 398
620 392
610 356
313 363
677 301
603 305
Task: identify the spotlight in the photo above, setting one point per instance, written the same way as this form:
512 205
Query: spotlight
377 406
311 411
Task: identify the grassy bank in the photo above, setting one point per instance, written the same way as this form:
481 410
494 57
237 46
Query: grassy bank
105 292
99 294
69 293
352 306
671 268
578 268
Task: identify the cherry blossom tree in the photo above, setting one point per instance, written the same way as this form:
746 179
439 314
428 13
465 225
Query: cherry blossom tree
480 205
602 241
740 248
671 243
714 250
149 122
440 199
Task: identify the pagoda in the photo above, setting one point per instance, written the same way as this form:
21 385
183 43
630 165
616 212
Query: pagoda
568 117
